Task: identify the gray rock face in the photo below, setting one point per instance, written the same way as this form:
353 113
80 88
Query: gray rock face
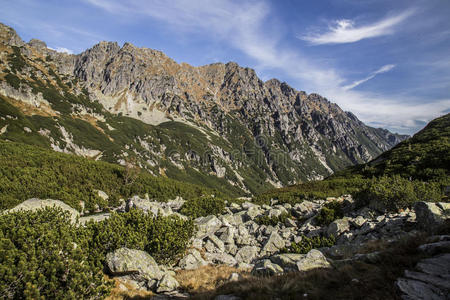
431 280
431 215
35 204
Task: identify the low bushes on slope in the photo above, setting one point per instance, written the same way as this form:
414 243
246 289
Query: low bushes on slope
43 255
395 192
29 172
203 206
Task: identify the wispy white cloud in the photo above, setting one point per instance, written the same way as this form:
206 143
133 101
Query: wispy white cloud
383 69
344 31
61 49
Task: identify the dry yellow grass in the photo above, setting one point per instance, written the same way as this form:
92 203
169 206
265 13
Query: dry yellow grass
207 278
118 293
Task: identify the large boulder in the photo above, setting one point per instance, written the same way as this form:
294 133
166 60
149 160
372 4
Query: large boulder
266 267
148 206
35 204
313 260
274 243
288 261
136 265
247 254
207 225
430 215
338 227
167 284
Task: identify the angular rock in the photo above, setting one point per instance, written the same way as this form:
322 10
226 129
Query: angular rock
247 254
167 284
338 227
430 215
314 259
207 225
274 243
192 261
266 267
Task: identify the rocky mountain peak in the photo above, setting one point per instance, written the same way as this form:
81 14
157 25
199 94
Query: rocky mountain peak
9 36
241 128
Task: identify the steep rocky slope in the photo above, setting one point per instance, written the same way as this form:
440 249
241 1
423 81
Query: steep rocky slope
218 124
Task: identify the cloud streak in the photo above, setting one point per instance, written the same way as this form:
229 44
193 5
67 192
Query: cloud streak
344 31
383 69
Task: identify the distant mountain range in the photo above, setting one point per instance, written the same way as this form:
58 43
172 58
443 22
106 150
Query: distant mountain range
217 125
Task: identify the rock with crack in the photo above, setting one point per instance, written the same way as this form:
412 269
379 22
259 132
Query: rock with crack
134 265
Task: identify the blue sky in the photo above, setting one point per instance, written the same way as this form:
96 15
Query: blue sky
386 61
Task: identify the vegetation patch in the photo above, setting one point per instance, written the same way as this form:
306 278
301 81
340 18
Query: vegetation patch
29 172
329 212
307 244
203 206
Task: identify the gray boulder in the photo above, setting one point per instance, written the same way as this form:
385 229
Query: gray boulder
35 204
430 215
193 260
207 225
274 243
338 227
266 267
313 260
134 264
247 254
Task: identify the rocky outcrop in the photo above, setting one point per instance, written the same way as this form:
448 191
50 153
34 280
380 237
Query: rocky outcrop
431 277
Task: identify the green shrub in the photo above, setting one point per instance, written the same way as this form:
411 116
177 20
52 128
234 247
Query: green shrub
165 238
333 187
395 192
41 257
307 244
203 206
272 221
330 212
